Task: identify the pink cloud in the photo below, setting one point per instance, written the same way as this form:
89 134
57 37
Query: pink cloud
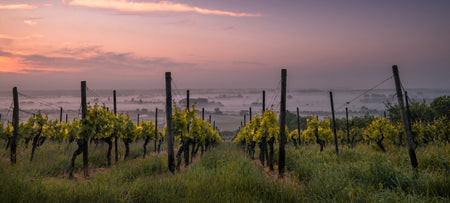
16 7
29 22
162 6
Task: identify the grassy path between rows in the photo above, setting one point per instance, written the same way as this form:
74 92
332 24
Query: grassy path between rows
225 174
221 175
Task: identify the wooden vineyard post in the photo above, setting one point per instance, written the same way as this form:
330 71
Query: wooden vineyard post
67 117
263 154
202 149
298 126
187 142
203 114
408 114
15 126
82 143
245 119
156 126
334 124
404 116
348 130
115 134
282 139
60 114
250 114
171 158
187 100
137 123
263 101
85 140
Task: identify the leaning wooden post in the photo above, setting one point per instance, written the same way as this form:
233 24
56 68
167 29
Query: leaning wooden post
334 124
115 135
348 129
60 114
85 140
282 139
408 114
171 158
404 116
298 126
67 117
15 126
263 101
156 126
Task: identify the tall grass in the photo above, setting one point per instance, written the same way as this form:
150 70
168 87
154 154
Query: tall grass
363 174
225 174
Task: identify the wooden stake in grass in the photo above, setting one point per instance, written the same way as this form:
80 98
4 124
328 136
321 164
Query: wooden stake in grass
404 116
408 114
348 129
85 140
187 142
250 114
203 114
298 126
137 123
282 139
60 114
15 126
334 124
156 126
82 143
263 100
171 158
187 100
116 138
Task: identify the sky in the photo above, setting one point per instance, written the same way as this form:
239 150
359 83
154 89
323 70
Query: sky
130 44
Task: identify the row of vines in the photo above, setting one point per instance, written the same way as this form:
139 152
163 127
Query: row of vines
101 125
263 129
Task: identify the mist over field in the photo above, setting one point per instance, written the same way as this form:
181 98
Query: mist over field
227 106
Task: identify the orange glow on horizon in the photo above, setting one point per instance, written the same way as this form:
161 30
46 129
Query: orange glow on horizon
16 7
10 65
